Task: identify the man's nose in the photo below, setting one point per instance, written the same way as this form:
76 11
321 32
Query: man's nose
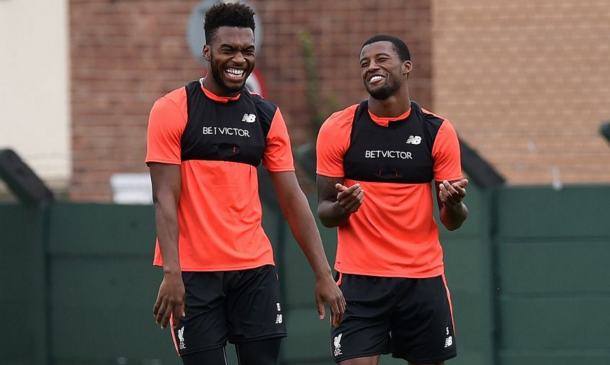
373 66
239 57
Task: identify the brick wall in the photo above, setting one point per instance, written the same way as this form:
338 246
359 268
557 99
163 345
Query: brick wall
527 83
125 54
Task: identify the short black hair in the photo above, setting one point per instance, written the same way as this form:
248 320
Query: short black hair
227 15
399 46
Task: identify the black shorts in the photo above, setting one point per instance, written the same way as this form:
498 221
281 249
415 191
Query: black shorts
235 306
409 318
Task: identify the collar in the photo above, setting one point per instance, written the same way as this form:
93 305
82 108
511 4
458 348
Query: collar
220 99
385 121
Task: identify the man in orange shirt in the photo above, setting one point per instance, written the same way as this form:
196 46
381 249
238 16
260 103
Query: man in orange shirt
204 143
376 163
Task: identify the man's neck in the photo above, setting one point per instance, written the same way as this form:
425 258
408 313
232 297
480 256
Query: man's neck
210 84
394 106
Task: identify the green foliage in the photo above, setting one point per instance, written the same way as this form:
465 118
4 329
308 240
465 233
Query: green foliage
319 111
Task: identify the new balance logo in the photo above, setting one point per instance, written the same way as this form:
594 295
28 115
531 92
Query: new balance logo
414 140
449 339
279 319
249 118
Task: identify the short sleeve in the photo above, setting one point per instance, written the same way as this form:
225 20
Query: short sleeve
165 127
446 154
278 153
333 142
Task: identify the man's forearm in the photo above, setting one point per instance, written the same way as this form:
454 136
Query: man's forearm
168 233
453 217
332 214
306 233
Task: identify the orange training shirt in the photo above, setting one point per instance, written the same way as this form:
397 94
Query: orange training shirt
394 233
219 211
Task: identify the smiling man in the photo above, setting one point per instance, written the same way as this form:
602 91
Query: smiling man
389 258
205 141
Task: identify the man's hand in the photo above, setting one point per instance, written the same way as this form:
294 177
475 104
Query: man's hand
328 291
350 198
170 300
452 194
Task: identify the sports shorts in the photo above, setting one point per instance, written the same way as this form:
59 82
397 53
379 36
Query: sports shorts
234 306
410 318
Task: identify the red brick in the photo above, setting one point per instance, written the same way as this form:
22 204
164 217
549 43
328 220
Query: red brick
125 54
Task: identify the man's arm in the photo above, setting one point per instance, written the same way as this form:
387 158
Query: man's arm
337 202
303 226
166 184
453 211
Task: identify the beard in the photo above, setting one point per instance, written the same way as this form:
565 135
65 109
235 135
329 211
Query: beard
216 74
382 92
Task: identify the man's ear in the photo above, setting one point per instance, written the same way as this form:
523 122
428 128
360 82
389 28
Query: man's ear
207 53
407 66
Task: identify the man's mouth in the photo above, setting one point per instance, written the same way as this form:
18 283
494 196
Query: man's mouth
376 79
234 74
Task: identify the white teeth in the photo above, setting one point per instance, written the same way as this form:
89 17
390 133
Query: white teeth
235 72
375 78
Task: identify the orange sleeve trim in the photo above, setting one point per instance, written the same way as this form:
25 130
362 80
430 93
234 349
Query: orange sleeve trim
165 127
278 153
446 154
153 160
333 141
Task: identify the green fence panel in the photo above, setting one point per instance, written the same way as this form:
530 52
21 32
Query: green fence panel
563 358
574 211
553 290
23 288
555 323
102 229
104 286
526 274
563 267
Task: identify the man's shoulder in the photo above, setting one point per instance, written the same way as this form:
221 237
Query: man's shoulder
431 116
260 101
341 117
176 96
437 123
